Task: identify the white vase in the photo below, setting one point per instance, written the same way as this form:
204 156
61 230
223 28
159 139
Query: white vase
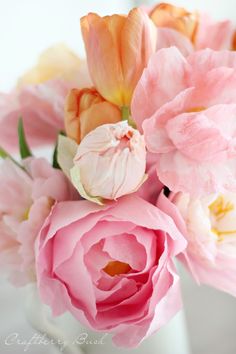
72 338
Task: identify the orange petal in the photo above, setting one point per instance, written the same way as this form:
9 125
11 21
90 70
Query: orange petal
85 110
167 15
118 49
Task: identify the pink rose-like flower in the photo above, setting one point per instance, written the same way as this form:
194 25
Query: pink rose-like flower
187 109
209 225
111 266
26 199
110 162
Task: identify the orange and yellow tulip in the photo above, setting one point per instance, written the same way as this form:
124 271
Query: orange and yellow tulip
118 49
85 110
177 18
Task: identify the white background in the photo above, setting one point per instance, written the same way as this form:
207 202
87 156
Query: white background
26 28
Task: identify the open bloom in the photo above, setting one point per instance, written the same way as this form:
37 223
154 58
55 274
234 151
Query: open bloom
118 49
110 162
209 225
86 110
187 108
111 267
25 201
39 98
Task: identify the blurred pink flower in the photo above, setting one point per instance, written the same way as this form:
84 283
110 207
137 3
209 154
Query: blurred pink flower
39 98
110 162
187 108
25 201
209 225
41 107
111 266
217 35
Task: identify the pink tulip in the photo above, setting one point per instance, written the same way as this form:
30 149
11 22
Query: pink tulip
26 199
187 108
111 267
110 162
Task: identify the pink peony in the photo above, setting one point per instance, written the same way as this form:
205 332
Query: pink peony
209 225
110 162
187 109
111 266
25 201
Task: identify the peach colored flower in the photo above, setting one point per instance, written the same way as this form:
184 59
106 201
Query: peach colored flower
118 49
110 162
177 18
85 110
198 27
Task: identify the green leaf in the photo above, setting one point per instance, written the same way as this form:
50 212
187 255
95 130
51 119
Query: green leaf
3 153
55 163
23 145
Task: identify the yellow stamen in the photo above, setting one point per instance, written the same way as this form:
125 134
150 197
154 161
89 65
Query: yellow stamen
220 208
116 268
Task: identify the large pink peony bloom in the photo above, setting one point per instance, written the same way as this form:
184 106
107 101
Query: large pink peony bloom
111 266
187 108
209 225
25 201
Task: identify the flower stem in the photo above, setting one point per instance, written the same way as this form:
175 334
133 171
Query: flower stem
125 112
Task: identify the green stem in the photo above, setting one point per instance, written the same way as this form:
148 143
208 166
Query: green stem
125 112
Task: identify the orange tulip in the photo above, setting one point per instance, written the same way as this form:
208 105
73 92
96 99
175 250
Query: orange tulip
85 110
118 49
177 18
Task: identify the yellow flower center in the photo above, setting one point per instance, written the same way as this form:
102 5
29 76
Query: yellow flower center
196 109
219 209
116 268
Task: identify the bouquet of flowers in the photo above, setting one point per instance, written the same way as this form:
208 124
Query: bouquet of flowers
143 169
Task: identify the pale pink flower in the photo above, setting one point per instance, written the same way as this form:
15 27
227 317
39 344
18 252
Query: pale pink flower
217 35
209 225
110 162
25 201
187 109
111 266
